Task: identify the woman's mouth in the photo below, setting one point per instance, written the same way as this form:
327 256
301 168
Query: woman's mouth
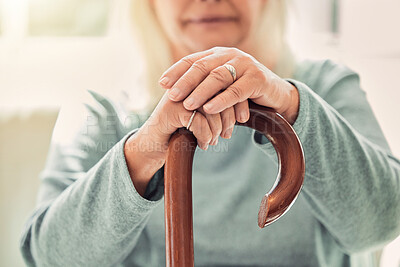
210 20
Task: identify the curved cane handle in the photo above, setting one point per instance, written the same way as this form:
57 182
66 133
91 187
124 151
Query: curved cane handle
178 181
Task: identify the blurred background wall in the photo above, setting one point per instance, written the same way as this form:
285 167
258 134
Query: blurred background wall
52 50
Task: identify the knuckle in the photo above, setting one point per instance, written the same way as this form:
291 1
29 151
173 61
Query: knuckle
218 75
234 50
246 59
201 66
259 75
216 48
187 60
235 91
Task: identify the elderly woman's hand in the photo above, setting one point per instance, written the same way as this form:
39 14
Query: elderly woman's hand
201 79
145 151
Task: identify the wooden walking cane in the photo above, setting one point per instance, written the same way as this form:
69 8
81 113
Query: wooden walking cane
178 181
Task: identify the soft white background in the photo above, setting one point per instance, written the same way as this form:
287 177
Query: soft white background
38 73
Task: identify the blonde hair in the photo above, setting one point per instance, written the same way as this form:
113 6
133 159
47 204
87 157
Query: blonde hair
270 37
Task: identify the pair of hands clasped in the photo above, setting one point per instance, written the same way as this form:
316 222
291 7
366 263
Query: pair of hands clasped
201 82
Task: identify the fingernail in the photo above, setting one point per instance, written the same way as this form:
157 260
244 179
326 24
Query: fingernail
208 106
174 93
243 116
228 133
205 146
188 102
214 141
164 81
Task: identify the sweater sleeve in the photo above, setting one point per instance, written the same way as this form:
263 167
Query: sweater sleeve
352 180
88 211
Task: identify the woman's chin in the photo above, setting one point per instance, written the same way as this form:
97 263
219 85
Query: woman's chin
201 45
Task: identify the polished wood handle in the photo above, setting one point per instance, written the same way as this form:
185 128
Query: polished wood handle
178 181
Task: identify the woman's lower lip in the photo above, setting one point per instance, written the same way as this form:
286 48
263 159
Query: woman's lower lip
210 22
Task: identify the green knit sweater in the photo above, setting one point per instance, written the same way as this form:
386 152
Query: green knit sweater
89 214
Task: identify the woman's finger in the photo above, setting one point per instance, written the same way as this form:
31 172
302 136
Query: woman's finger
215 123
228 122
171 75
200 70
237 92
242 112
201 130
218 79
184 76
